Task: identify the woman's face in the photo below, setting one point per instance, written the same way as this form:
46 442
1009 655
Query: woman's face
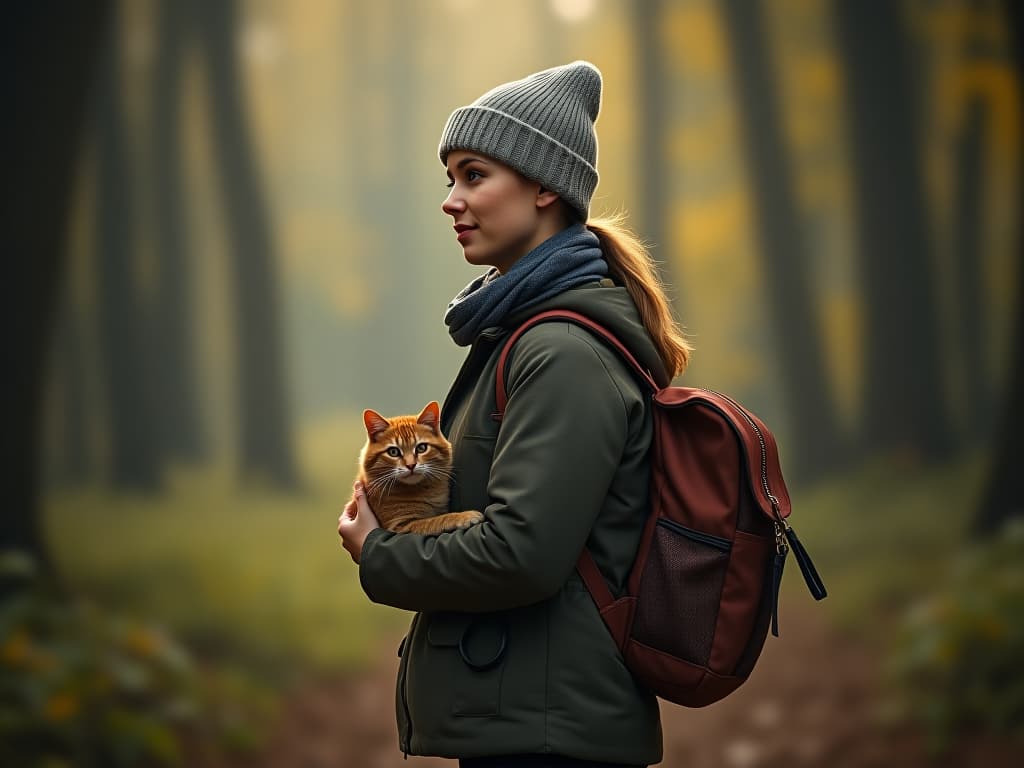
495 210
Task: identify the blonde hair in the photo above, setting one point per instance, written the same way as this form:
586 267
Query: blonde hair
632 267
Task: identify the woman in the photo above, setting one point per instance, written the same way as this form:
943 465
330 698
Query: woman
507 662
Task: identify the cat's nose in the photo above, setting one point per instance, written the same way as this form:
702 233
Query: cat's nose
410 467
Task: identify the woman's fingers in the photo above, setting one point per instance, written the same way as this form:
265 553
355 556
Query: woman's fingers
356 522
359 499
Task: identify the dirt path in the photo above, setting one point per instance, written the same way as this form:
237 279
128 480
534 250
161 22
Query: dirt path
813 700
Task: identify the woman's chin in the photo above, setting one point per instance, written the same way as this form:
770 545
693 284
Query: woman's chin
472 256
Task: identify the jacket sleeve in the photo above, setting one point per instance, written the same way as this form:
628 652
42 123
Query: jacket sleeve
560 443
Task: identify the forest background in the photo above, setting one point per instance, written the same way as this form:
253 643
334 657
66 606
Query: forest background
229 217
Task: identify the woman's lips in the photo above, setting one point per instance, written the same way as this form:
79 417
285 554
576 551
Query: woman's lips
464 234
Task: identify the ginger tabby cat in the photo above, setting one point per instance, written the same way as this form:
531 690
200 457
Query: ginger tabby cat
405 467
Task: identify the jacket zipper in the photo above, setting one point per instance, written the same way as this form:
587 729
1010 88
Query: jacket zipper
488 335
703 538
468 364
403 686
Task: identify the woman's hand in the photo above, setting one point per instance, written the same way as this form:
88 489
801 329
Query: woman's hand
356 522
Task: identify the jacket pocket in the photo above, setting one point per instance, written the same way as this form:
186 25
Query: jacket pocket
475 646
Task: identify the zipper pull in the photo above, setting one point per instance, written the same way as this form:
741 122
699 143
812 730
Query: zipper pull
814 582
781 550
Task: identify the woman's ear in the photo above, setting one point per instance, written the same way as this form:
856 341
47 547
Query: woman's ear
545 197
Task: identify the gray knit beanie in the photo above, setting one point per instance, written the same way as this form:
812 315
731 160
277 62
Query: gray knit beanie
542 125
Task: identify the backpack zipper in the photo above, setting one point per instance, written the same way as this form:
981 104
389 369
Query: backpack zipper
784 534
779 538
699 536
781 548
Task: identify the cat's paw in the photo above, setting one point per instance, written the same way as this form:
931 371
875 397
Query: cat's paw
470 518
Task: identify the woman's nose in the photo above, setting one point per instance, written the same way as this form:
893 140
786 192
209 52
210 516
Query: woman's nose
454 203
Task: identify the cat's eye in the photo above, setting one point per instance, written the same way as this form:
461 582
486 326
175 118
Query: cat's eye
421 447
394 452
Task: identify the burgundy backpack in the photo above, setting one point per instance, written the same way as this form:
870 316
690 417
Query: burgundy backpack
704 586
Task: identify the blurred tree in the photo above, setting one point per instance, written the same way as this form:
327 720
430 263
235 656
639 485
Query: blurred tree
1001 498
48 93
124 318
265 441
904 402
968 239
404 240
73 461
383 93
551 32
652 123
177 380
358 339
815 436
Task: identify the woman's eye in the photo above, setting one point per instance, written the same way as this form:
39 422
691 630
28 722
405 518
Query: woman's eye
450 184
473 175
394 452
421 448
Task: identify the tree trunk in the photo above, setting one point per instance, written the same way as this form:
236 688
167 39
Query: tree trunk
177 382
49 94
406 241
123 316
265 441
968 241
904 403
1001 499
73 460
652 116
381 378
815 437
551 32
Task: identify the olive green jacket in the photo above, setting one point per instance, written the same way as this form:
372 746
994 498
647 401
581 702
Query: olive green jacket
507 653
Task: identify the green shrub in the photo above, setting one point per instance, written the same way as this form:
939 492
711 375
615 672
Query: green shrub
243 577
81 687
960 652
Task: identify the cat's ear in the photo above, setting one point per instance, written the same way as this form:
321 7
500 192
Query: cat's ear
431 417
375 423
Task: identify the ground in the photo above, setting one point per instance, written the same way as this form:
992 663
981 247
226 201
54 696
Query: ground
814 699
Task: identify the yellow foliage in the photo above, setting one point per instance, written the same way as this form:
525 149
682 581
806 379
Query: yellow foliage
703 145
326 250
142 642
996 84
705 226
842 333
61 707
16 650
692 37
816 76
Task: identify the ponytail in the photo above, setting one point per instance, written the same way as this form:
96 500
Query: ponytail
632 267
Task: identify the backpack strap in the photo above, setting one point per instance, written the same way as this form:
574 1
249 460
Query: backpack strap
586 566
500 393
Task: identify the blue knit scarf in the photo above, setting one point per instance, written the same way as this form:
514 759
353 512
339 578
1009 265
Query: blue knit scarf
566 260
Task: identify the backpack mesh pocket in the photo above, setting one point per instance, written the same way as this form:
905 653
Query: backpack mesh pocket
683 579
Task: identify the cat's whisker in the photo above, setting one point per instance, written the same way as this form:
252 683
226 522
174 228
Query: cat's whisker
433 472
392 481
381 483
